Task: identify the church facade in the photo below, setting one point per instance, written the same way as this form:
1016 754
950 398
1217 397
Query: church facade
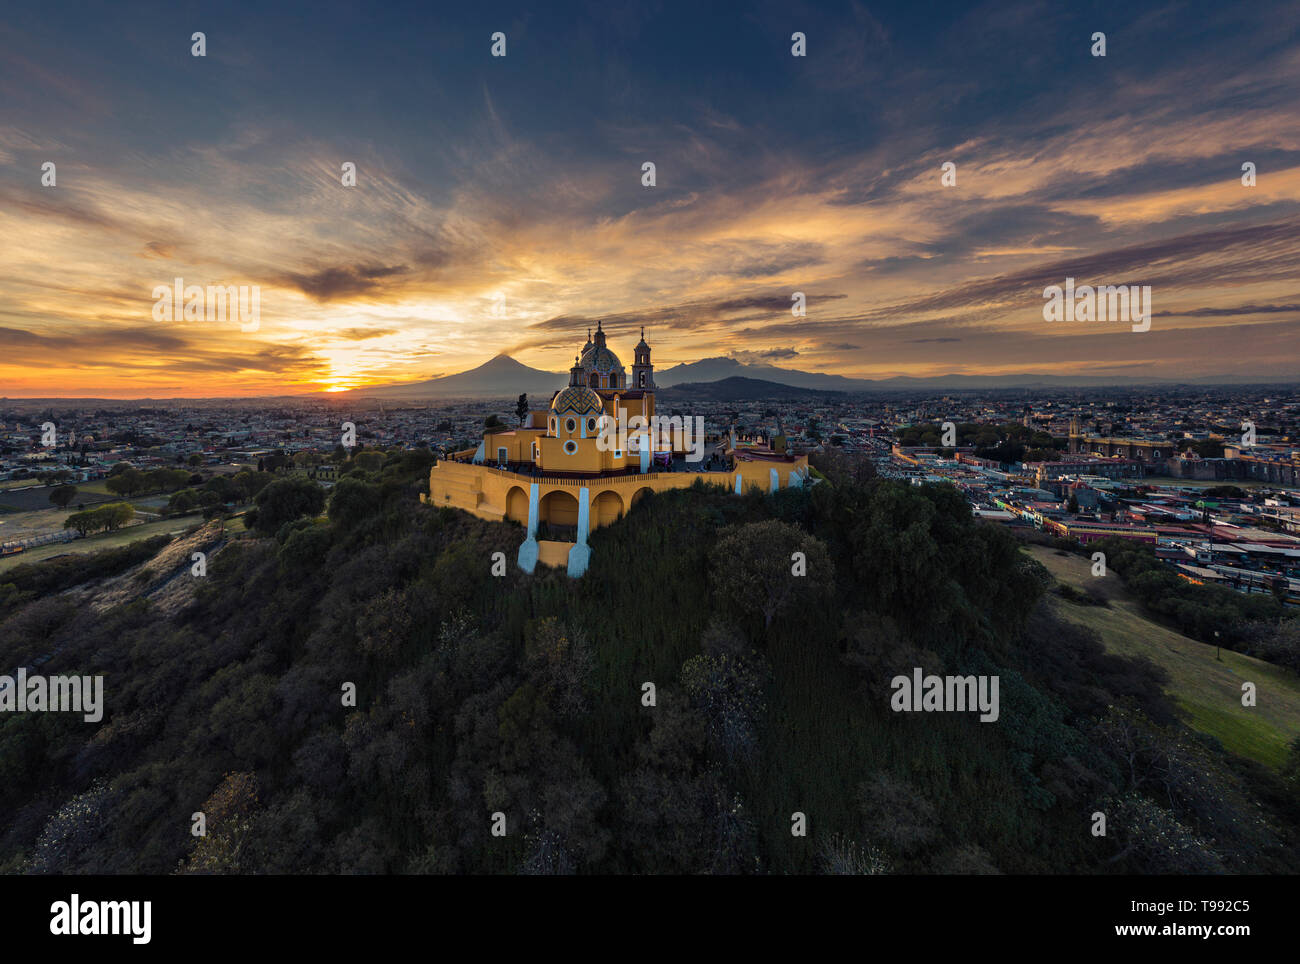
590 455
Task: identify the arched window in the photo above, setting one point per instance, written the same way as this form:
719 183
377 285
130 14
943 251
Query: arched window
591 425
570 426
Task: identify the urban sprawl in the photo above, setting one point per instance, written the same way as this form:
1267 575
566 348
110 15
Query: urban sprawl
1208 476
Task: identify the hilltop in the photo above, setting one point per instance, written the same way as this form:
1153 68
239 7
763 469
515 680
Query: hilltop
477 694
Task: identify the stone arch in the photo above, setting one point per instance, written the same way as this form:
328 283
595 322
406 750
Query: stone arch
517 504
640 494
607 508
559 508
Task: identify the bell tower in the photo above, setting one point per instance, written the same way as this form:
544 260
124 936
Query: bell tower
643 372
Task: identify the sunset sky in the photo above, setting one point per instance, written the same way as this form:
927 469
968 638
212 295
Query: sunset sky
499 204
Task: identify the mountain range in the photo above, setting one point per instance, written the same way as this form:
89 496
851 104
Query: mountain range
503 377
737 388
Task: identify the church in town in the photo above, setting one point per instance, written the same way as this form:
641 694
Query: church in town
591 454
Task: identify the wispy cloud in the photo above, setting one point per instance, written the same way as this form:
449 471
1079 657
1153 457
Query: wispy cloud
499 203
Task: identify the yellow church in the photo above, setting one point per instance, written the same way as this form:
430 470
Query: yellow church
587 458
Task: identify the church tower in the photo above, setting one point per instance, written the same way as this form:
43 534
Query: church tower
643 372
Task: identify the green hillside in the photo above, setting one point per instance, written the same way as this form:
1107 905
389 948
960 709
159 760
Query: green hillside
527 696
1206 685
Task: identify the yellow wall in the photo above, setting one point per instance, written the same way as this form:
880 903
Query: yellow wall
758 473
497 495
587 458
517 443
553 553
551 456
644 406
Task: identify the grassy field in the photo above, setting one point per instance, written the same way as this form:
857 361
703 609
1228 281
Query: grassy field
112 540
29 513
8 484
1206 688
97 488
30 498
23 525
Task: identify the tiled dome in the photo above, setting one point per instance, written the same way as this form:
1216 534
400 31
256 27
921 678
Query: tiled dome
601 360
579 400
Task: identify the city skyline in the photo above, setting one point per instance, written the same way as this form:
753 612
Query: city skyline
499 204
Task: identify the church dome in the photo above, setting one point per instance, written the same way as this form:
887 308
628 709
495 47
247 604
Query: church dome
579 400
600 360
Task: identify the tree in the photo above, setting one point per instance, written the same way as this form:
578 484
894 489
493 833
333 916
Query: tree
167 480
110 517
841 856
285 500
755 568
71 831
352 501
225 489
81 521
248 484
727 690
127 482
116 515
521 408
62 495
175 479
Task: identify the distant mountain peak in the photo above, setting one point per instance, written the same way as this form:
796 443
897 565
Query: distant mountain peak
500 362
499 377
504 377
